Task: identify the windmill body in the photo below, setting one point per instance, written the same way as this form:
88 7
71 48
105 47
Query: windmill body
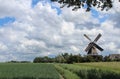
92 47
93 51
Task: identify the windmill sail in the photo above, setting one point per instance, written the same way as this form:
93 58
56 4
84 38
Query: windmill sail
87 37
90 50
96 39
90 45
98 47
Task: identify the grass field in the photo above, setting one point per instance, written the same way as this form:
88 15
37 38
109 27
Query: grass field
28 71
100 70
113 66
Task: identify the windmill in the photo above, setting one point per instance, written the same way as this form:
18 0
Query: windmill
92 46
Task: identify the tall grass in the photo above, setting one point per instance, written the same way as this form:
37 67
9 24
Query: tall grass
98 74
88 72
28 71
66 73
113 66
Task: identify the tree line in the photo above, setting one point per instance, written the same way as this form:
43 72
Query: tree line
70 58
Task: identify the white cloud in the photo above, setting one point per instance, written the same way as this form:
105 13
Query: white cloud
78 17
75 49
40 31
67 28
3 47
17 8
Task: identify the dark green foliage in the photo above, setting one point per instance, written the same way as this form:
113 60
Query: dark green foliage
18 61
88 4
93 58
37 60
106 58
43 60
74 59
60 59
70 58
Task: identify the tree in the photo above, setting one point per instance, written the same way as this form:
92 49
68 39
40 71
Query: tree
66 57
106 58
92 58
44 59
37 60
88 4
71 59
60 59
74 58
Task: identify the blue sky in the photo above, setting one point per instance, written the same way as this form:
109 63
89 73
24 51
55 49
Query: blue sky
34 2
96 14
9 19
6 20
41 28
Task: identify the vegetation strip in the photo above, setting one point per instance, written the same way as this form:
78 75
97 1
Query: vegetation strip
111 66
89 73
66 73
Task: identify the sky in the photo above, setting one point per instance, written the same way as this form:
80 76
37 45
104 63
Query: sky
33 28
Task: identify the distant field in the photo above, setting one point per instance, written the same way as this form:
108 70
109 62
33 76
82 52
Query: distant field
114 66
100 70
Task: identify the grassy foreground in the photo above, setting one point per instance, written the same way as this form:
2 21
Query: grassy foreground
111 66
28 71
100 70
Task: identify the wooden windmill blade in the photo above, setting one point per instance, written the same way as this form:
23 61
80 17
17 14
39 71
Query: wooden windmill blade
96 39
87 37
90 51
90 45
98 47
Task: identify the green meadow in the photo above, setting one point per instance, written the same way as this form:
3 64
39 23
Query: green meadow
99 70
27 71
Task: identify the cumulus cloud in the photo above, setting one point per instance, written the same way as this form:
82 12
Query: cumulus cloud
40 31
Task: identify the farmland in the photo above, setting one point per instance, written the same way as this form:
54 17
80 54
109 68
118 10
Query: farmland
99 70
27 71
109 70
